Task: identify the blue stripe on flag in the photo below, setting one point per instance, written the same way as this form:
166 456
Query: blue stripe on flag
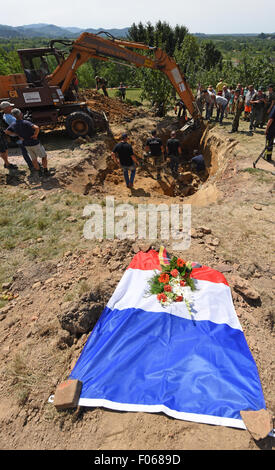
139 357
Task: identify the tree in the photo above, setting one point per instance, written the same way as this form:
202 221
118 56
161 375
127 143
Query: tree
210 55
161 35
156 88
187 57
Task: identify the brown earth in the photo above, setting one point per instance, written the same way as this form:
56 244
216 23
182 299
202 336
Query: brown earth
232 231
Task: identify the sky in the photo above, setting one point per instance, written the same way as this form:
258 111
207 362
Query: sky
199 16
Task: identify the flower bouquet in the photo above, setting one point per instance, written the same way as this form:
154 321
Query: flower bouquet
174 283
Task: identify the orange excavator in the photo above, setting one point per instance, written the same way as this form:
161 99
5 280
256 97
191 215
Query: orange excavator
48 96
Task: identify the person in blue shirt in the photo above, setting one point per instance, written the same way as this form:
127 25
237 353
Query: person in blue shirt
9 119
198 161
28 132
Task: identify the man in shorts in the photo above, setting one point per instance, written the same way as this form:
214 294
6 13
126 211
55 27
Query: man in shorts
28 132
123 155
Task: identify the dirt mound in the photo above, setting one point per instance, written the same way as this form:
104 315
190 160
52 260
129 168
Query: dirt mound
115 110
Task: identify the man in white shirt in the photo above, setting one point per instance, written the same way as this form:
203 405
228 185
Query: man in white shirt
221 104
209 103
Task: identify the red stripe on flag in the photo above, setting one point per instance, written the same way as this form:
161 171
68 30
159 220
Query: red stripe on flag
150 261
145 261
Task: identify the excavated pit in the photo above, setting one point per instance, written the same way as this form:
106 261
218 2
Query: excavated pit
93 172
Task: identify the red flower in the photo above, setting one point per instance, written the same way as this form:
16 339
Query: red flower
162 297
174 272
167 288
182 283
180 262
179 298
164 278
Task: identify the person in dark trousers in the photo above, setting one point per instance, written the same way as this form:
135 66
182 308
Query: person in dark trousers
123 155
238 109
122 91
182 109
154 148
197 162
173 150
4 152
270 102
101 83
258 102
9 119
270 135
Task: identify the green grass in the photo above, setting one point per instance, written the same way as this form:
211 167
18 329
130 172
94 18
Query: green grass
31 229
261 175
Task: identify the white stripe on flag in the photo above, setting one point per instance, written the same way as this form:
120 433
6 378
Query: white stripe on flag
212 301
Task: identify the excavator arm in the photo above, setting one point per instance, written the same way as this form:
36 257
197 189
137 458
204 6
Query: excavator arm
90 45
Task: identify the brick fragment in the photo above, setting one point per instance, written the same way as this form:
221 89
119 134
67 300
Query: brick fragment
67 394
258 423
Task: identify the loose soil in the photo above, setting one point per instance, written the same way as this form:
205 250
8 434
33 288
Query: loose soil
232 231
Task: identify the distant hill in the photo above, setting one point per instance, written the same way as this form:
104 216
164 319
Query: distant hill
52 31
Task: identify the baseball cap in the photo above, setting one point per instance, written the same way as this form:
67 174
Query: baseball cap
124 135
5 104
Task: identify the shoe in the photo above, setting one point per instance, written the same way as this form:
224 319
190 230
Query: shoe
10 166
46 172
231 132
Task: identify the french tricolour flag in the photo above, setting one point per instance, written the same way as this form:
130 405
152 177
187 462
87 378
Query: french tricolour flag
144 357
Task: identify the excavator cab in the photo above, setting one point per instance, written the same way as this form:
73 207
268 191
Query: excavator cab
37 64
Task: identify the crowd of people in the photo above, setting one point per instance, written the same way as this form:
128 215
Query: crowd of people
256 106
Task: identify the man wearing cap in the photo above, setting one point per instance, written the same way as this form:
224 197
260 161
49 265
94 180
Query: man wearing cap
257 101
123 155
28 132
238 108
9 119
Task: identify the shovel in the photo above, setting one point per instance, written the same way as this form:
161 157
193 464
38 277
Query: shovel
260 156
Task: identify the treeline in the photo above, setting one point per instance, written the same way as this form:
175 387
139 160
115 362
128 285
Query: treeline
243 60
